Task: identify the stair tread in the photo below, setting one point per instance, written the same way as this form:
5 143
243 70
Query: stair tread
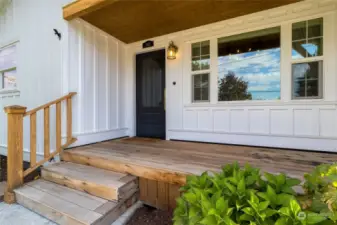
64 205
90 174
34 197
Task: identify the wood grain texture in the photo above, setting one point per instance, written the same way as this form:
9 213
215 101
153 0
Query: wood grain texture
14 151
131 21
46 130
66 206
69 119
102 183
58 127
172 161
33 139
158 194
83 7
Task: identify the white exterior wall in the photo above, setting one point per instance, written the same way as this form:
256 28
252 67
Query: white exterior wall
96 73
29 24
300 124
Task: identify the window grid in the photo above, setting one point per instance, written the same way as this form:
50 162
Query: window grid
309 59
203 90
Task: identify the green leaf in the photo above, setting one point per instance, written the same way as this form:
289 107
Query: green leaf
263 205
193 211
221 205
294 207
209 220
282 221
242 186
190 197
313 218
246 217
271 194
285 211
283 199
271 178
249 211
270 212
280 179
230 187
292 182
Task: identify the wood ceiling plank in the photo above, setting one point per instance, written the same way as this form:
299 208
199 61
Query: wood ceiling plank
131 21
82 7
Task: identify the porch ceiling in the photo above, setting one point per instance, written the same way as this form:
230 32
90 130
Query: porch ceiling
134 20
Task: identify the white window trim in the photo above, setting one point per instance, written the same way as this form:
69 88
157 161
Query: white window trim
2 89
199 72
201 101
308 60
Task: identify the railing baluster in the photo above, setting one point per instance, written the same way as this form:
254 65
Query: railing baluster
69 120
46 133
32 139
58 127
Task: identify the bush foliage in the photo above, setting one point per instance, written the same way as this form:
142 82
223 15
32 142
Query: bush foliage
243 196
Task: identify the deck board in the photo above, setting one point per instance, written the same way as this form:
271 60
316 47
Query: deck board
183 158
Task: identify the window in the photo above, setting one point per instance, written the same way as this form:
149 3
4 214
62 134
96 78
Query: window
8 67
200 87
200 56
249 66
307 59
200 71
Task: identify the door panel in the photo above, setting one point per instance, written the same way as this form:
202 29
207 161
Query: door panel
150 94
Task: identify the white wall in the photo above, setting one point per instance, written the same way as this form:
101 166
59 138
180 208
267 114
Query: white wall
29 24
96 73
300 124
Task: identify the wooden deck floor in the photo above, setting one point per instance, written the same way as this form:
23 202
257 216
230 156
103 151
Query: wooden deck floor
171 161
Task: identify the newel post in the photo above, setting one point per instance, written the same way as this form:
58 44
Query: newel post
14 150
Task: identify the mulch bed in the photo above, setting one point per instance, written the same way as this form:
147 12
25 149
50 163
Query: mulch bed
151 216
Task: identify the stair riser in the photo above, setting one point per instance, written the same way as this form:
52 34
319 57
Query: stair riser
91 188
114 214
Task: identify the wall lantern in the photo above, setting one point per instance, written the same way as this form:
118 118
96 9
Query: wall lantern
172 51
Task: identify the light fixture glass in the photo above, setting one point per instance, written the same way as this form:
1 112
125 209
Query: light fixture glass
172 51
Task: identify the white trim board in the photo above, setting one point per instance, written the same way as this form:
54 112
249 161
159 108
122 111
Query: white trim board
306 144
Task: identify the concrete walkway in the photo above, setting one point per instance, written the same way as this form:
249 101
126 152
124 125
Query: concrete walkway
17 215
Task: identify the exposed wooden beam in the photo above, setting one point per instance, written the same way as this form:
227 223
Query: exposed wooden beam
82 7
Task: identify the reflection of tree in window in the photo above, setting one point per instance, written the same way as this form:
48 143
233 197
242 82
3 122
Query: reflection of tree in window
233 88
249 66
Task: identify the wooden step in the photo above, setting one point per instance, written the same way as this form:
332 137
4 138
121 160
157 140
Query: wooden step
102 183
67 206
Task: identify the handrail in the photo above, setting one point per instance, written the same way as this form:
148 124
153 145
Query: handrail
15 172
50 103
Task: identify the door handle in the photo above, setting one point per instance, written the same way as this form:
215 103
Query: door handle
164 99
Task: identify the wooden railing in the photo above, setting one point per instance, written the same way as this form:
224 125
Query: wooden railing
15 115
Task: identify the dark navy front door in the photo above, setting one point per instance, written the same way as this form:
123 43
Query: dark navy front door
150 94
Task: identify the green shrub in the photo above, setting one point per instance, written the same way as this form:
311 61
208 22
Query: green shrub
243 196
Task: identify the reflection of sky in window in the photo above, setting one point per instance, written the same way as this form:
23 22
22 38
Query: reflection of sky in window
7 58
261 69
311 48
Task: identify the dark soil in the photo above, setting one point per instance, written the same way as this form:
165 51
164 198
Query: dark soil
151 216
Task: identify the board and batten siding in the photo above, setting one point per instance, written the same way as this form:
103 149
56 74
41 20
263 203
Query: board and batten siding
287 123
96 73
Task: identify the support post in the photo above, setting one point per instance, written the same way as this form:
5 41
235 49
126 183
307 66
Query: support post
14 151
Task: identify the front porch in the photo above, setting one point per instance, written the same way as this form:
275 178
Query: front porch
163 165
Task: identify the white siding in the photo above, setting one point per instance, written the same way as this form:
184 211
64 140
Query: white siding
308 124
30 24
96 65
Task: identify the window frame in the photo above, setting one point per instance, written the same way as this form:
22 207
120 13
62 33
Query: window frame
319 59
200 72
2 72
209 92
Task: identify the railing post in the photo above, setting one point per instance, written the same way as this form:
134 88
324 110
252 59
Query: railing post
14 151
